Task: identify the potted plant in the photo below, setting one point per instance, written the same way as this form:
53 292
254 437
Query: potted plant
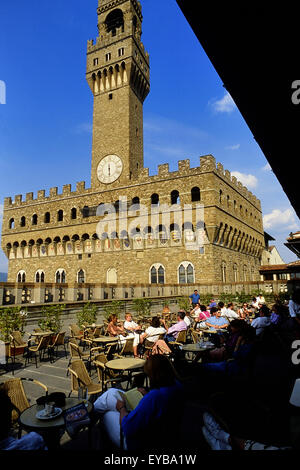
142 306
87 315
112 308
11 319
51 320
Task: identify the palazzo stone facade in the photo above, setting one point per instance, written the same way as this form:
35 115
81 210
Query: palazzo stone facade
56 238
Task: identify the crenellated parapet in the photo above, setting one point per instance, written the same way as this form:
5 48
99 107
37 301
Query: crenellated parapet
207 164
53 196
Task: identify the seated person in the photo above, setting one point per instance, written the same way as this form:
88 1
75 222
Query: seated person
31 441
241 356
227 345
152 424
187 319
195 311
244 312
203 316
216 322
219 439
152 334
173 331
132 328
229 312
262 321
116 329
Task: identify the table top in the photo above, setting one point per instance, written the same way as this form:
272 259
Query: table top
105 339
28 417
94 326
125 364
213 331
41 333
196 347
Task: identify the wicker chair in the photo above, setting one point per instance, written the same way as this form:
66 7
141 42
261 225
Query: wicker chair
77 353
80 379
15 390
105 376
39 350
59 340
76 332
195 335
148 344
127 348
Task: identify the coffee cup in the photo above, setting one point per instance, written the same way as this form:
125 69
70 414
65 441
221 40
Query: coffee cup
49 408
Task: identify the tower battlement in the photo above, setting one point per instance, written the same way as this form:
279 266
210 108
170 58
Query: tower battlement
54 195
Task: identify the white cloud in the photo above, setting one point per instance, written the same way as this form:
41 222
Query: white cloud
267 167
233 147
224 105
250 181
84 128
284 218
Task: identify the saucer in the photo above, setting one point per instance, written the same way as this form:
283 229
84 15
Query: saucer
42 414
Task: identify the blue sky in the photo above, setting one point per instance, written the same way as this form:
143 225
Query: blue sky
45 125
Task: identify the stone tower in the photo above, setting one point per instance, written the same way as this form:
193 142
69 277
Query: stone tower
118 74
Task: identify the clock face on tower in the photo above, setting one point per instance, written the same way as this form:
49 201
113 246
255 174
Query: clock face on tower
109 169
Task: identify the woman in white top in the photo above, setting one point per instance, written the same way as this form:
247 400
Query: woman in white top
132 327
152 332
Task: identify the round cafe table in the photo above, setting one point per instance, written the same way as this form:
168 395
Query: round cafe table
126 365
103 340
52 429
197 348
39 334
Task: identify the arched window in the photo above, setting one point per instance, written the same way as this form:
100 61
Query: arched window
40 276
60 215
60 276
21 277
114 21
136 201
155 199
23 221
195 194
81 277
221 196
47 218
245 272
186 273
175 197
223 268
228 201
157 274
34 219
74 213
11 223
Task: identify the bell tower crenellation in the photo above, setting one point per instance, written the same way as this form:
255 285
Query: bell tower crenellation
118 73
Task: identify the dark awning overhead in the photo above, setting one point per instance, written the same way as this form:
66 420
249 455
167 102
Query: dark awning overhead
255 50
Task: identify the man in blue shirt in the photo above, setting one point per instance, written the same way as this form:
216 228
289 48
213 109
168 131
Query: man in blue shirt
216 322
195 298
